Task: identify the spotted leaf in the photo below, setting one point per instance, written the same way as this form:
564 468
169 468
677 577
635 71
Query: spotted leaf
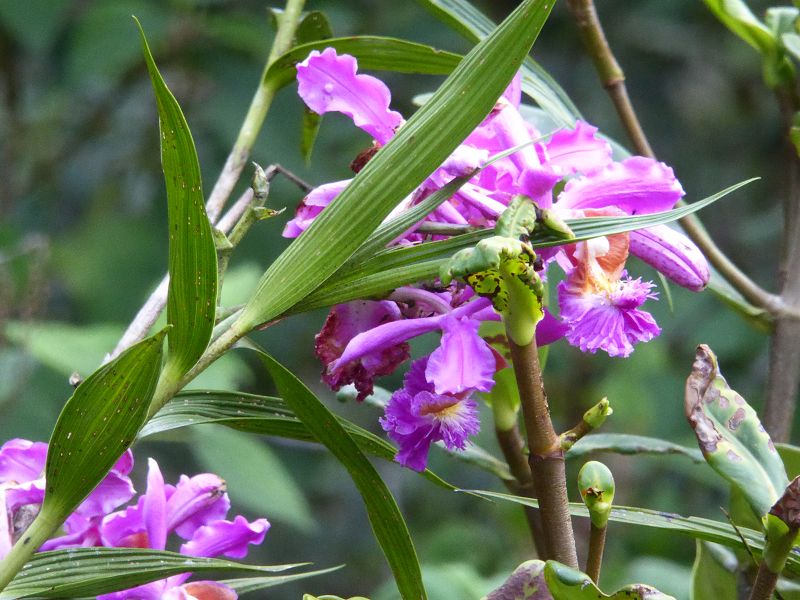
731 437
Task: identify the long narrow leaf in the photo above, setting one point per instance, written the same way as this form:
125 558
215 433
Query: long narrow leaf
536 82
98 423
695 527
419 146
264 415
245 585
387 523
404 265
192 297
623 443
373 52
81 572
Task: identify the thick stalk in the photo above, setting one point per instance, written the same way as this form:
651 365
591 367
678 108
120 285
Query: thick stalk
597 543
784 363
764 585
513 447
231 171
613 80
546 458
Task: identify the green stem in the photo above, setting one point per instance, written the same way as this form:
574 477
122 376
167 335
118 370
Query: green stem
229 176
36 535
613 80
256 113
546 458
168 386
597 543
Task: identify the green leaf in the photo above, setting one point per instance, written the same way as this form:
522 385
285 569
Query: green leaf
384 515
259 414
192 297
308 133
623 443
245 585
695 527
790 455
373 53
713 573
730 435
262 484
419 146
536 82
566 583
378 274
80 572
98 423
737 16
312 27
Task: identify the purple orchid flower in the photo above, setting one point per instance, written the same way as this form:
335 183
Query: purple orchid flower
463 361
329 82
417 416
344 323
600 304
22 488
195 510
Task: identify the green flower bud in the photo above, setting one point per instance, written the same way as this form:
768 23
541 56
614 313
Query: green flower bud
596 485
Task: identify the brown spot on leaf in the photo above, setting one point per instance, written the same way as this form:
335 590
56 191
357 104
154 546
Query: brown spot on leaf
733 457
736 419
707 435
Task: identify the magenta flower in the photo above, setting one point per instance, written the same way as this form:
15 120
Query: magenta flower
346 322
463 361
329 82
22 488
195 510
417 416
600 304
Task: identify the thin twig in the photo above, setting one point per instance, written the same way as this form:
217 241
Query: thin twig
154 306
613 80
597 544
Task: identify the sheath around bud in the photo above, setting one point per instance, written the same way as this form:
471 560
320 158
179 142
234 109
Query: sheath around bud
596 485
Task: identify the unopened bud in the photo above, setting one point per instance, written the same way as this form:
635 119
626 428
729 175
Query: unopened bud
596 485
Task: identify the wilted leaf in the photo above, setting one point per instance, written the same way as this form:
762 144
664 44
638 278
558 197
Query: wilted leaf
730 436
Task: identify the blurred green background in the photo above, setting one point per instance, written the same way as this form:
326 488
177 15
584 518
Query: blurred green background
83 242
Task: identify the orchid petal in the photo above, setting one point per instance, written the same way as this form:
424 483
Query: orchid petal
229 538
463 361
329 82
578 150
673 254
21 460
196 502
637 186
154 508
311 206
339 344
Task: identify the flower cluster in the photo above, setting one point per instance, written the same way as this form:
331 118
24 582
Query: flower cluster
194 509
572 174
